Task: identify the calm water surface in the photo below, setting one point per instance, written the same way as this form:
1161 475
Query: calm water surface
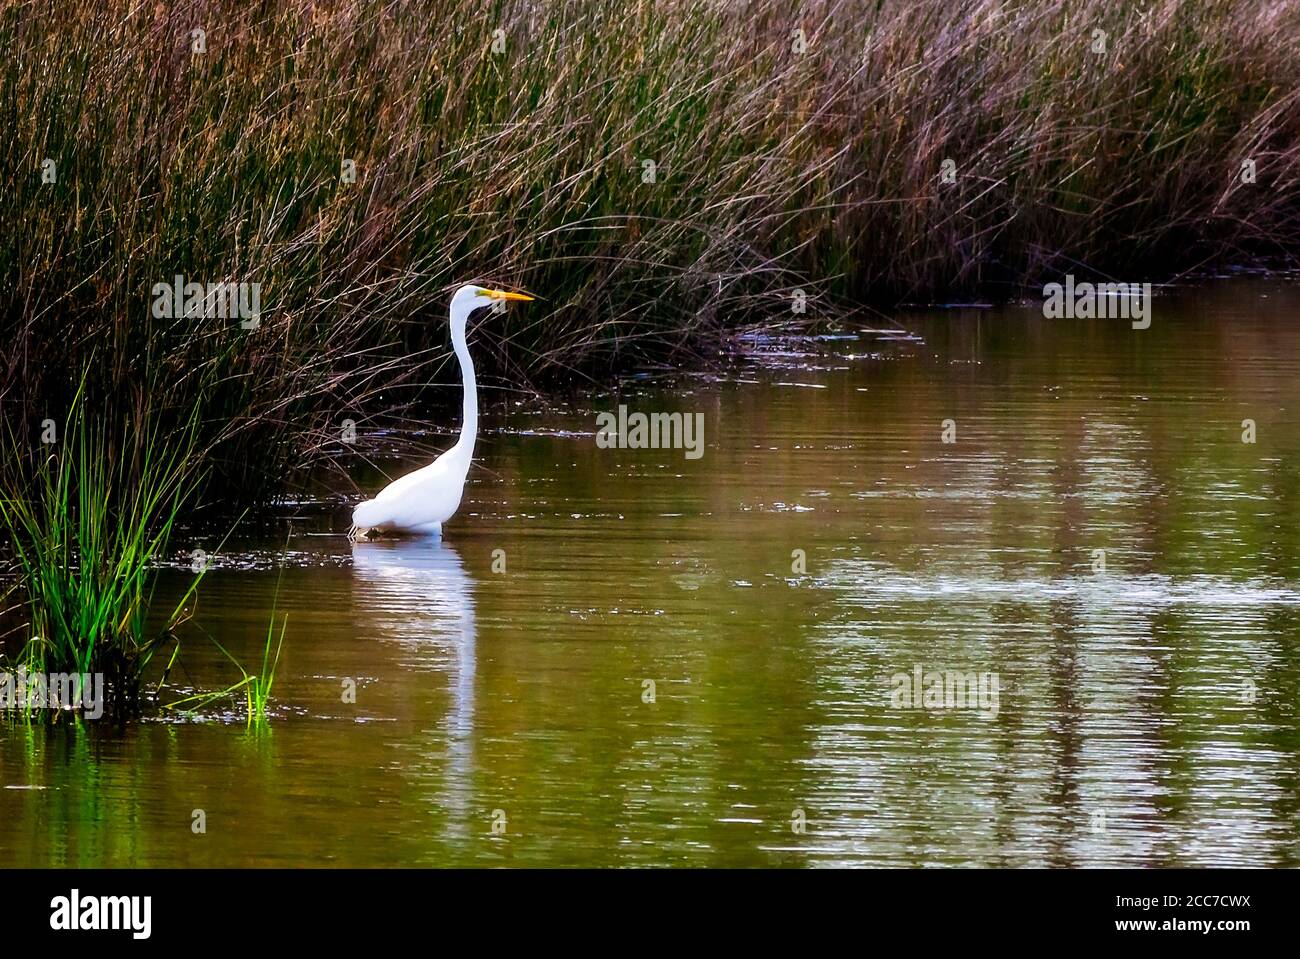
1148 714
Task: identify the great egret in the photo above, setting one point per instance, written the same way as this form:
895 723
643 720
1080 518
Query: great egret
422 501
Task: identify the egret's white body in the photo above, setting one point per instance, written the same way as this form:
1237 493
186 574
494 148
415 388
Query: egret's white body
420 502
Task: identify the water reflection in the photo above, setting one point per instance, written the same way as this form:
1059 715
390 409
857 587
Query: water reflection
415 592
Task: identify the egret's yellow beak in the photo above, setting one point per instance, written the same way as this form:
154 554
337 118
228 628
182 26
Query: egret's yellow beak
504 295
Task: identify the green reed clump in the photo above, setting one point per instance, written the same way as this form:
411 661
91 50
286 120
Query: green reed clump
88 515
655 169
258 686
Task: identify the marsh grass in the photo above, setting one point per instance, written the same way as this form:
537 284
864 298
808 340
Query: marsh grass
776 170
258 688
255 688
88 517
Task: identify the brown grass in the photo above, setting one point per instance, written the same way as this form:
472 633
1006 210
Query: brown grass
776 170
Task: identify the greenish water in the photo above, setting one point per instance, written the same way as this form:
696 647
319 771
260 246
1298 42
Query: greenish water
1146 715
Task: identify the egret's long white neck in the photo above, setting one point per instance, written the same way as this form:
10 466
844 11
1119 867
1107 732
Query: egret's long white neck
469 420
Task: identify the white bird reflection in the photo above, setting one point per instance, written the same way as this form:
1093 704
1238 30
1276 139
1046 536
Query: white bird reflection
416 592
